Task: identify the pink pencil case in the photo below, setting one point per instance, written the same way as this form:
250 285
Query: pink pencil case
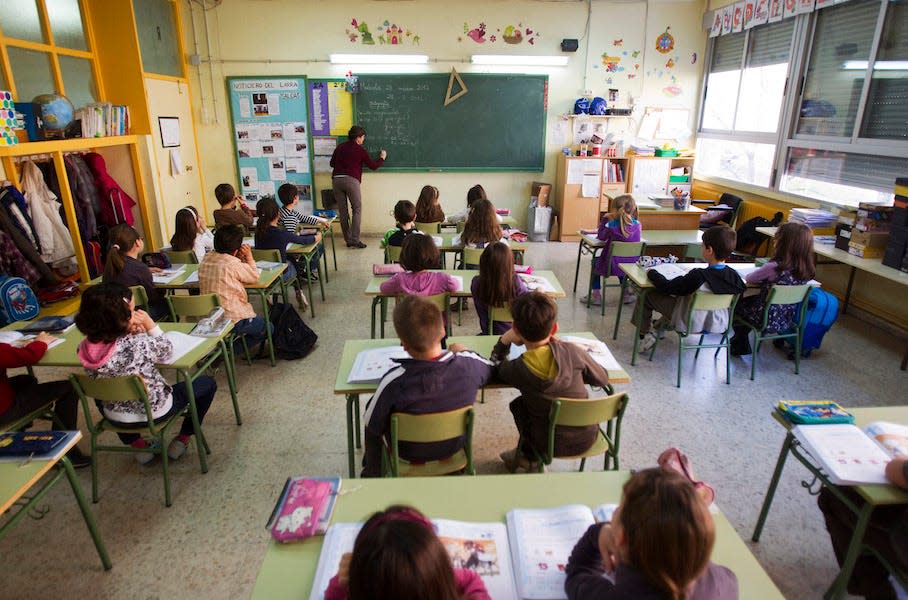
298 517
523 269
387 269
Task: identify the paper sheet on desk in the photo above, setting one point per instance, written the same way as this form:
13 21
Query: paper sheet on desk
182 344
169 274
192 277
537 282
597 350
20 340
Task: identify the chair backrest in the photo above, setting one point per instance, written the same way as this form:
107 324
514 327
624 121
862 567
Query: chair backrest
780 295
459 226
576 412
182 257
430 228
192 306
471 256
139 295
735 203
271 255
707 301
392 253
111 390
432 427
623 249
442 302
499 313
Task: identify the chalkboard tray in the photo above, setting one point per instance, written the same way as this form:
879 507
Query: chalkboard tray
498 125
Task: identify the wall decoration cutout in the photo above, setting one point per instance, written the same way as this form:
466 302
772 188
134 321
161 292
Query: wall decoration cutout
665 43
693 58
670 63
388 33
611 63
672 91
509 34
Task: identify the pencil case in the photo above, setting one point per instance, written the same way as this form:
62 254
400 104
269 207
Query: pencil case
299 515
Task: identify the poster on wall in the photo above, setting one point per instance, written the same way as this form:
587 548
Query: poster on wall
270 123
331 119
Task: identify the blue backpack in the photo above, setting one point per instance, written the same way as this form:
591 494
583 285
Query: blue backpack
17 300
822 311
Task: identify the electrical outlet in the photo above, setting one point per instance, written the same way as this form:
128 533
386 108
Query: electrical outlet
586 93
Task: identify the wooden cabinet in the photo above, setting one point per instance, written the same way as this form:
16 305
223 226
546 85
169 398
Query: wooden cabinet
584 188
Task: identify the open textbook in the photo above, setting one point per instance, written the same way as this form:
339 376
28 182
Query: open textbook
524 559
597 350
850 455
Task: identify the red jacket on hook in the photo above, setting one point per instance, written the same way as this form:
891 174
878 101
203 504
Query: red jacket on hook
116 205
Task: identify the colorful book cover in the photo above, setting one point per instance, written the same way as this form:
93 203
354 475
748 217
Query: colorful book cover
814 411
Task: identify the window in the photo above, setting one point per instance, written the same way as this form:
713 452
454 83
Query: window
63 63
158 37
840 135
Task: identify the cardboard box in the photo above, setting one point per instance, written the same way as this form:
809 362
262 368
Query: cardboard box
871 239
862 251
541 192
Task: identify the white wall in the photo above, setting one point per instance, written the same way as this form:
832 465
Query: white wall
297 36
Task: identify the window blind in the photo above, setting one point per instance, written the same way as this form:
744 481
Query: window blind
727 53
770 44
886 110
856 170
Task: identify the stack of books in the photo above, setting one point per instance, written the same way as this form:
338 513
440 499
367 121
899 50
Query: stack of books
815 218
103 119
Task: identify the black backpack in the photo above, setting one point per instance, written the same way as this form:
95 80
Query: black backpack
749 240
292 338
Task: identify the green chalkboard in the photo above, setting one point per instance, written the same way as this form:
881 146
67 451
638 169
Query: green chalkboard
498 125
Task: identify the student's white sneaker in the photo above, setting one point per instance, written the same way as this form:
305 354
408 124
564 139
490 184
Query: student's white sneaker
647 342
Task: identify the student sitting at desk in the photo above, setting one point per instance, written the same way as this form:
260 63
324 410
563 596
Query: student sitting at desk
419 254
496 285
718 243
432 380
292 219
481 229
428 210
791 264
656 547
473 194
405 215
190 233
887 533
22 394
548 369
121 340
233 210
225 272
621 225
124 267
268 236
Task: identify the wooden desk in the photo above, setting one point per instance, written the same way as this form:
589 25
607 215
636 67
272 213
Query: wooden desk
288 570
873 495
640 285
691 239
373 289
351 391
16 479
269 281
669 218
188 367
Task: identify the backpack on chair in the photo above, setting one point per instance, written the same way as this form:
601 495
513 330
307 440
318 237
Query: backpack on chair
749 239
292 338
17 300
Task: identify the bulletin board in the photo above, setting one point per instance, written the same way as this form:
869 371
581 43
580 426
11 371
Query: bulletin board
272 145
330 118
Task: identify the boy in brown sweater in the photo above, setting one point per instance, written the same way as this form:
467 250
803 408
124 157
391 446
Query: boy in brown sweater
548 369
233 210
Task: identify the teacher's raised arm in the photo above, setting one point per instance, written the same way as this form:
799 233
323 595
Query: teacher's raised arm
348 160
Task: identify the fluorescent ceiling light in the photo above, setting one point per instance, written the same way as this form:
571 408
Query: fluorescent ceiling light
880 65
516 59
385 59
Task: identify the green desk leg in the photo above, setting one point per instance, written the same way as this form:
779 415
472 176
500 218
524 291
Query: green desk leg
577 267
263 294
773 483
638 319
324 258
848 290
333 249
351 459
375 302
231 378
86 513
837 589
196 425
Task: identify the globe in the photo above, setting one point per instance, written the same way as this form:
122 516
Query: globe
54 112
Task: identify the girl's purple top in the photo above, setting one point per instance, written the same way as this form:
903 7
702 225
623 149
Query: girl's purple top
610 231
419 283
482 309
767 272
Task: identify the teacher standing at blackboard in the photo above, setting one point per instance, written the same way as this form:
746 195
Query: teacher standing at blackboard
348 160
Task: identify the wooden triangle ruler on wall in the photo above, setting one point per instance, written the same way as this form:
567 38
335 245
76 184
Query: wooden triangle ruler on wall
455 76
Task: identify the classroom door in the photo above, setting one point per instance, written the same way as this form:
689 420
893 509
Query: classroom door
167 98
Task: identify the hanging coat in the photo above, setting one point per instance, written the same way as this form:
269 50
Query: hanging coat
13 263
56 240
85 195
28 251
116 205
17 208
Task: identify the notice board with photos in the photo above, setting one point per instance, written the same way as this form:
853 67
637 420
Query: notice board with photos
270 126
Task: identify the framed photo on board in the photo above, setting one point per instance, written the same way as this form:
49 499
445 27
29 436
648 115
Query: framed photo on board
170 131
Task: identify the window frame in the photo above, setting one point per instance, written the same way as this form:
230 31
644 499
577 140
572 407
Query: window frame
786 137
53 51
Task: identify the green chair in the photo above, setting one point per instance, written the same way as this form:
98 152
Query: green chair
45 412
272 255
498 313
114 390
426 428
709 302
581 412
429 228
182 257
442 302
139 296
392 254
459 226
780 295
200 306
619 250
